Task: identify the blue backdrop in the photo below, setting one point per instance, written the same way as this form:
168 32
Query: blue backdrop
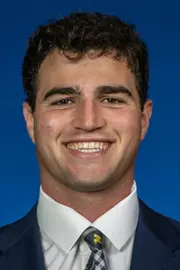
158 170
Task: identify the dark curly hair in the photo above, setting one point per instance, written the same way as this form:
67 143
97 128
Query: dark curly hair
80 33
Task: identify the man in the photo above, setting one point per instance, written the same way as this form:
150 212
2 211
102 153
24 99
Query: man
87 110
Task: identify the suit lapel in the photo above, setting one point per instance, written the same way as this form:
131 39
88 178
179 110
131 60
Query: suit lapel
149 253
157 242
20 244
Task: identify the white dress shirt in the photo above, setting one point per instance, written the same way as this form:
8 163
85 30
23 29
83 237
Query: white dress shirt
62 227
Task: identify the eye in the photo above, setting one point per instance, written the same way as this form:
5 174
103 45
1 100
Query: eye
112 100
65 101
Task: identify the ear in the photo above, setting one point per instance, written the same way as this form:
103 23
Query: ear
29 118
145 118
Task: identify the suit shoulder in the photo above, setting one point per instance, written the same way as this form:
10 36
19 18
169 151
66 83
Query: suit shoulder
174 222
27 218
158 222
11 233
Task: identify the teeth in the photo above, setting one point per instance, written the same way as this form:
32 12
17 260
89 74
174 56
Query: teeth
89 150
88 147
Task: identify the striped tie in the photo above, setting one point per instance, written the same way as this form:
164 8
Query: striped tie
93 237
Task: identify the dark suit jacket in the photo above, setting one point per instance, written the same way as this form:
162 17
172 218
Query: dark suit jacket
156 246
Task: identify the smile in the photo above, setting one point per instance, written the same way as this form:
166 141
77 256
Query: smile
88 147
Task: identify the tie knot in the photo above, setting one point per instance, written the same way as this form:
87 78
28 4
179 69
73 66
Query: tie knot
93 237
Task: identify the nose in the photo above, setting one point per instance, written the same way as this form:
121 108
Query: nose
88 116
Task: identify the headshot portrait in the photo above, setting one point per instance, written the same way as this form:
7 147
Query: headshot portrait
87 109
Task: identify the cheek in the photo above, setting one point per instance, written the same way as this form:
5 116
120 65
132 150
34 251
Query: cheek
127 122
52 124
47 127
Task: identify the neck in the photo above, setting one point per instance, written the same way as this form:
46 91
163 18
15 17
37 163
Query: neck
91 205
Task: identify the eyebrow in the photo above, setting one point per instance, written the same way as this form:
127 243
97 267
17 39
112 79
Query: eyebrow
117 89
62 91
100 90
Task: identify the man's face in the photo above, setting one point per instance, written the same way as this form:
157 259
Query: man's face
87 124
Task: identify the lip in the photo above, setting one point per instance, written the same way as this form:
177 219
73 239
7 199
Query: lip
79 140
85 155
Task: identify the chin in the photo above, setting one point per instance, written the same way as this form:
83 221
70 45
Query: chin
88 184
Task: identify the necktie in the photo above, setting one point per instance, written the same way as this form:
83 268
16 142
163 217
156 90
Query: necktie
93 237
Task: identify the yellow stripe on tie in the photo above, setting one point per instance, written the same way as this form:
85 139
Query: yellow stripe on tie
97 239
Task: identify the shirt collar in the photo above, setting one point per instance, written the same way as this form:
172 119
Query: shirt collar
64 226
60 223
120 222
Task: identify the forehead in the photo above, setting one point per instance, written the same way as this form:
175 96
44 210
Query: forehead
57 70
